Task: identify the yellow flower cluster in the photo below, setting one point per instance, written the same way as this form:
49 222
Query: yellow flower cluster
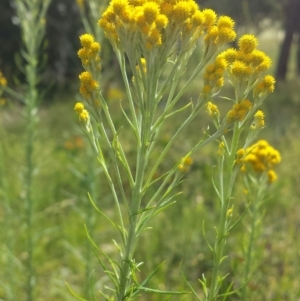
247 63
240 154
87 84
262 157
259 120
222 32
185 164
213 77
152 23
89 53
3 81
82 112
265 86
239 111
212 110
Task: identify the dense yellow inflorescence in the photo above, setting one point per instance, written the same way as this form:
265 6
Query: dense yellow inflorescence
213 77
259 120
89 53
153 23
82 112
247 63
212 110
262 157
239 111
87 84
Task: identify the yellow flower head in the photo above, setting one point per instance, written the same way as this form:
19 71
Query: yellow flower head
229 55
266 85
246 104
247 43
95 47
84 115
241 153
88 84
161 21
263 157
212 34
257 57
83 53
272 176
212 109
198 19
143 63
79 107
239 111
181 11
240 69
150 11
220 62
86 40
210 17
185 164
154 38
85 77
229 212
206 89
225 35
259 120
225 21
118 5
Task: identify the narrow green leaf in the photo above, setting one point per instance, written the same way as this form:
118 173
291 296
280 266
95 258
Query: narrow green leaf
214 185
104 215
239 219
129 121
111 275
144 210
178 111
206 240
190 286
150 290
74 294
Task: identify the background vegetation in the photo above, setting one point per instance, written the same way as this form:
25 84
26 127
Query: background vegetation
66 171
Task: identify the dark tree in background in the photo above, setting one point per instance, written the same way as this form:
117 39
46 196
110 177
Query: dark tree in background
10 39
292 29
63 28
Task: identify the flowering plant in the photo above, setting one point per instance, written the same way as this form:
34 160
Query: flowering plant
153 41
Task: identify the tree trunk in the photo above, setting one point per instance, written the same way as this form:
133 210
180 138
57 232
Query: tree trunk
292 26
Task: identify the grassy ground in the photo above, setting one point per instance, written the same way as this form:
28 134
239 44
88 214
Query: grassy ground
66 170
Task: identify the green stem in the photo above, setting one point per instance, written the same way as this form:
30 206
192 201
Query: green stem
249 252
31 15
258 198
136 200
8 213
142 155
90 181
226 185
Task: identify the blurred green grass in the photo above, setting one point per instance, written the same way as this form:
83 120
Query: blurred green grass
66 171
